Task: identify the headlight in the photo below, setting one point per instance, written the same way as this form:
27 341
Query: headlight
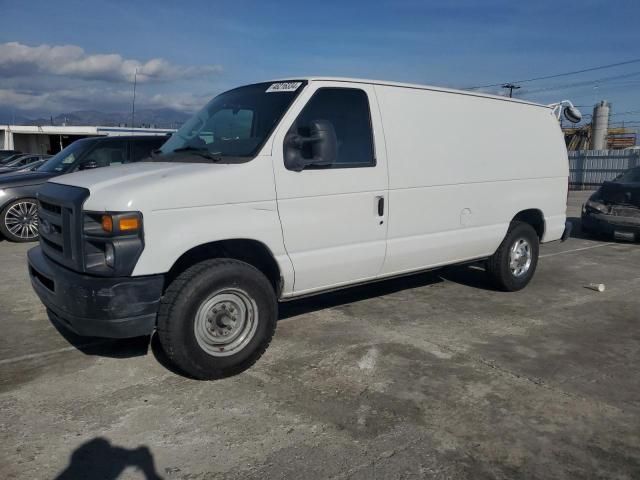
596 207
2 193
109 255
113 242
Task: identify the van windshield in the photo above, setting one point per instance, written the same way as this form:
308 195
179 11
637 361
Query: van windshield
236 123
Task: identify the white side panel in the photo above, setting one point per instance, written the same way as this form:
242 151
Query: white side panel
460 168
444 224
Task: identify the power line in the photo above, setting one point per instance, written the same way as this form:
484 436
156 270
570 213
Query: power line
584 83
632 112
575 72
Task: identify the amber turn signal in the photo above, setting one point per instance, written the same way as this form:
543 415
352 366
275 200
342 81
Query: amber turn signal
107 223
127 224
122 224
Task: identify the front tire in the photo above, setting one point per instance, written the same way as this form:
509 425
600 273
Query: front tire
512 267
19 220
217 318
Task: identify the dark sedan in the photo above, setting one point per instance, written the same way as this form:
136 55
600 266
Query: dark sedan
614 209
18 208
22 162
4 154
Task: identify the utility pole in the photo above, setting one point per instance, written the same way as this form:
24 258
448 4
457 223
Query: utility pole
133 103
511 88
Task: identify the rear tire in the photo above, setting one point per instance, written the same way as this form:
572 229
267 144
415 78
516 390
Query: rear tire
19 220
217 318
514 263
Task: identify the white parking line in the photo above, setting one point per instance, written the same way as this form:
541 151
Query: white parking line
577 249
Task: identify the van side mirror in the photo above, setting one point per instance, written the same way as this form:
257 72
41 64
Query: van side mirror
88 165
320 148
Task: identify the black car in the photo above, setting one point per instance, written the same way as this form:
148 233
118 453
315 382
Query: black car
22 162
8 153
614 209
10 158
18 209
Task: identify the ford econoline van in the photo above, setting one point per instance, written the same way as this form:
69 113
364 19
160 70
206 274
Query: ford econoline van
278 190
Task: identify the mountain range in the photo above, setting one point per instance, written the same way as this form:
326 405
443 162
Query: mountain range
159 117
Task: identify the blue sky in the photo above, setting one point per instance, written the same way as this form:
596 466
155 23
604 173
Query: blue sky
208 46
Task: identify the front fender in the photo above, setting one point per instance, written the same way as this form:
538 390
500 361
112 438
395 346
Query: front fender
172 232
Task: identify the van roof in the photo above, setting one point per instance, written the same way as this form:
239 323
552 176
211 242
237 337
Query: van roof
414 86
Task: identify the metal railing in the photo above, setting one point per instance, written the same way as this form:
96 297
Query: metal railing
588 169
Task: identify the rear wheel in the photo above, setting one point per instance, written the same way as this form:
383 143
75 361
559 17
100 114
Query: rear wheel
19 220
514 263
217 318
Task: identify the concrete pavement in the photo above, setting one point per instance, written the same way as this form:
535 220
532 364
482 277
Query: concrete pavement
430 376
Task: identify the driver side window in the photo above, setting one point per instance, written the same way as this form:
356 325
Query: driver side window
347 111
104 155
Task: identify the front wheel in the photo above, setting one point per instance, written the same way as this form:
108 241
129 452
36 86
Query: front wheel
514 263
19 220
217 318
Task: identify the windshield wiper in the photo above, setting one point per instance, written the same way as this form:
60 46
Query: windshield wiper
203 152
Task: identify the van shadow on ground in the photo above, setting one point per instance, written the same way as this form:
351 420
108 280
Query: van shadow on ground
356 294
104 347
98 459
469 275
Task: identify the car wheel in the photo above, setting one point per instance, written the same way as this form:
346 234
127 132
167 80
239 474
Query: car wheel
217 318
19 220
514 263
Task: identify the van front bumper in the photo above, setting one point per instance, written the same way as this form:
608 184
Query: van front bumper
96 306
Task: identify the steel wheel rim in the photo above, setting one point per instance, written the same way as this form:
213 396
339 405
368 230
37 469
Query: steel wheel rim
520 258
226 322
21 220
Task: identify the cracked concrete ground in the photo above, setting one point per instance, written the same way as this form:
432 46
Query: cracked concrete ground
430 376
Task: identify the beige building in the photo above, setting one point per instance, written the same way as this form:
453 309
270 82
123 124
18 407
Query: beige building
51 139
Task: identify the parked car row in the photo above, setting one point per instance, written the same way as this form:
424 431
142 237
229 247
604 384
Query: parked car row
22 162
18 187
4 154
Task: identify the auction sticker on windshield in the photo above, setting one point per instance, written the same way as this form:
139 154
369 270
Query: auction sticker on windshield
283 87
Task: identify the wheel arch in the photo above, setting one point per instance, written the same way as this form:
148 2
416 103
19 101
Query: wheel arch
247 250
533 217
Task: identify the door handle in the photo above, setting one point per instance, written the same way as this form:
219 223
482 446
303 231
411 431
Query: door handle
380 206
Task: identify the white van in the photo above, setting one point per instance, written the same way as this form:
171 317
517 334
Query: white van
283 189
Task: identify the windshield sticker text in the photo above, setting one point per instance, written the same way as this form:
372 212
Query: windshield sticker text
283 87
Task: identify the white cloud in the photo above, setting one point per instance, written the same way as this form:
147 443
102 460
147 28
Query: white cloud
17 59
93 98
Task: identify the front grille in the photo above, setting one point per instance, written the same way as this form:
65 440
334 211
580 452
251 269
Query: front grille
49 207
621 211
60 223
